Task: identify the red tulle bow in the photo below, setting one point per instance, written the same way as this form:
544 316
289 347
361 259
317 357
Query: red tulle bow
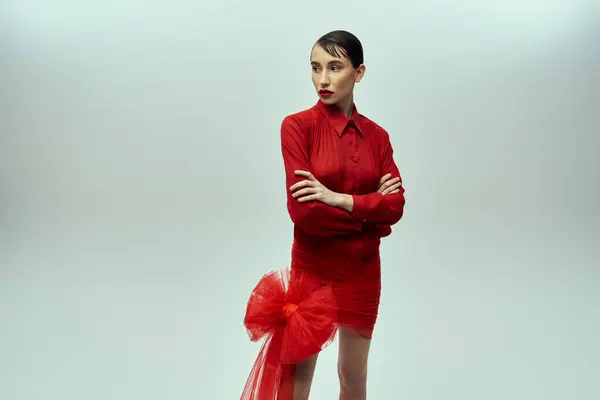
298 318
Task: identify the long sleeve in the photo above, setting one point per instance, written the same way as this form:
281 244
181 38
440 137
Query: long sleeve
313 217
384 210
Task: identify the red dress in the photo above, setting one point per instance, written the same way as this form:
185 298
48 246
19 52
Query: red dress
341 248
335 275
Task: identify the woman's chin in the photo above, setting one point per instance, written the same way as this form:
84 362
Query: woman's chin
328 99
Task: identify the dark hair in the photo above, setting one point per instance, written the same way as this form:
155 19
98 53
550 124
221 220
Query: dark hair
343 44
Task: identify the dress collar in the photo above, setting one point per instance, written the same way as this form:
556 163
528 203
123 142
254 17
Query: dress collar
337 118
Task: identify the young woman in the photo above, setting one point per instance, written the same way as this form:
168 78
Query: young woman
344 194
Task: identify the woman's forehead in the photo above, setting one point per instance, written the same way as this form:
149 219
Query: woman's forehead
321 56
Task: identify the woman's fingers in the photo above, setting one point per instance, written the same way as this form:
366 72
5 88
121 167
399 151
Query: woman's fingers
382 182
305 191
388 184
393 188
306 174
384 178
300 184
315 196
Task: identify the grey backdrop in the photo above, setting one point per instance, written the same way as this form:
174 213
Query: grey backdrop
143 193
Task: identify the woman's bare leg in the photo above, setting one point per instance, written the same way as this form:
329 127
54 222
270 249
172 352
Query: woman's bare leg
303 378
352 365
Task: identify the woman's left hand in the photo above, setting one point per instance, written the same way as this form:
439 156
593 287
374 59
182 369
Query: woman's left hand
313 190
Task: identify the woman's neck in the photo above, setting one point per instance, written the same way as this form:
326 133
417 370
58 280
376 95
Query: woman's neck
347 105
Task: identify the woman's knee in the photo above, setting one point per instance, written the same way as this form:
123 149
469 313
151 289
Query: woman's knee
353 378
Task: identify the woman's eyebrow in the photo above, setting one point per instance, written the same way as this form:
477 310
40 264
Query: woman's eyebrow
329 63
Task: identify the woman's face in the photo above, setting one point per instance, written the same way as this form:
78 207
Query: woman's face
333 77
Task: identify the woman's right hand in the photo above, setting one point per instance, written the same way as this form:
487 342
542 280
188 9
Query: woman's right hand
388 186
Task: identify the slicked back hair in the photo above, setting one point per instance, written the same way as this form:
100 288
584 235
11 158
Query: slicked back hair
342 43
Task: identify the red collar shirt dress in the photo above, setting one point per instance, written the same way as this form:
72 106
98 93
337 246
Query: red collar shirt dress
341 248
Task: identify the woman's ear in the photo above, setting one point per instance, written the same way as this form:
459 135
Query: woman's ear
360 72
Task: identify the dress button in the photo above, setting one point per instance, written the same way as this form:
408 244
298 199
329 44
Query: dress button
354 159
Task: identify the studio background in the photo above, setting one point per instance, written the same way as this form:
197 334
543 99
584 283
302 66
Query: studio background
143 196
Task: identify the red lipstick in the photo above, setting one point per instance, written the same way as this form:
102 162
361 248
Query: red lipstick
325 93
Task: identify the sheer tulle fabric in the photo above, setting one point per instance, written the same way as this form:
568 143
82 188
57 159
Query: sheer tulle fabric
297 316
